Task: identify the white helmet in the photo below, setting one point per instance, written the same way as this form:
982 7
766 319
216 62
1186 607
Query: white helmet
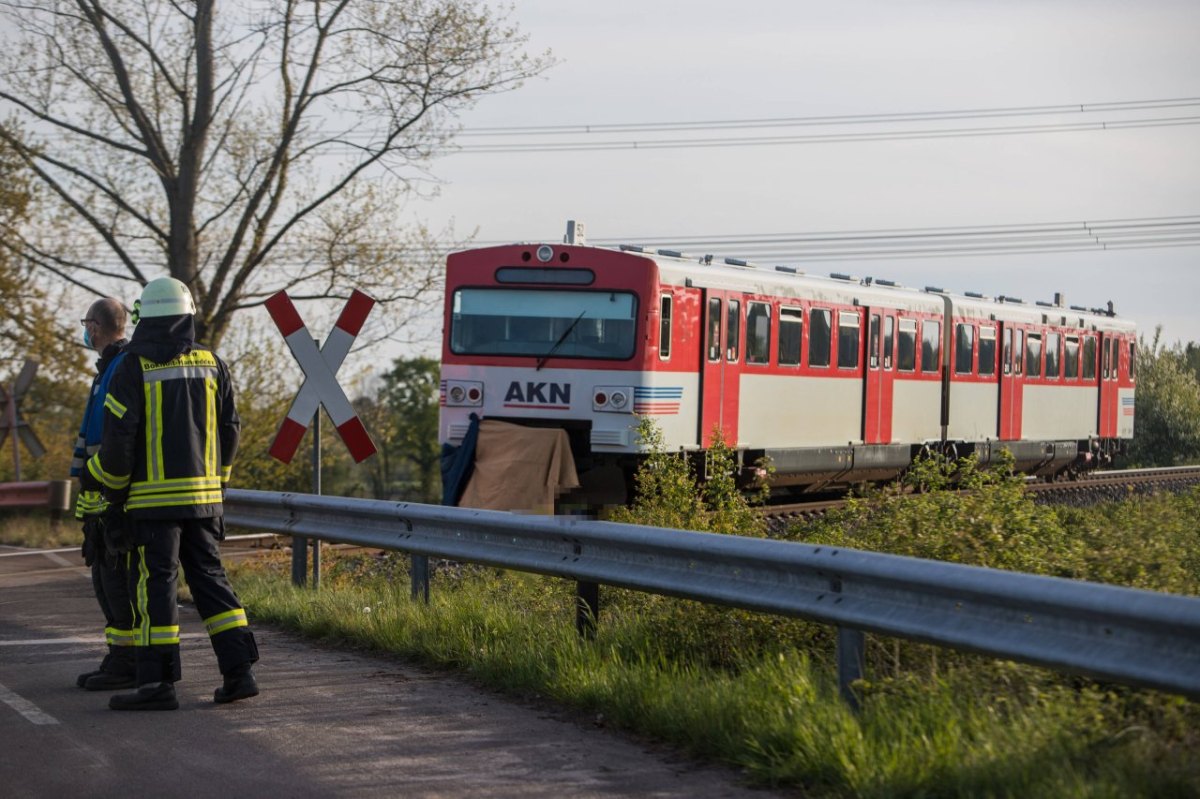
164 296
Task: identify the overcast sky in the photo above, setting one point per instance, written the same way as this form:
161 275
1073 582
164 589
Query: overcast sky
655 61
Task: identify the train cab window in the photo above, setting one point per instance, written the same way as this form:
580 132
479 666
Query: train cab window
733 330
931 346
964 349
1071 357
758 332
873 342
1132 360
664 327
987 350
1089 358
849 323
820 335
1052 355
889 333
1033 354
906 346
714 329
791 333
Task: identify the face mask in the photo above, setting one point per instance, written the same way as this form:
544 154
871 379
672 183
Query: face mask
87 338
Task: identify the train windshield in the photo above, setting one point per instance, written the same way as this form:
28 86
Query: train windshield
543 323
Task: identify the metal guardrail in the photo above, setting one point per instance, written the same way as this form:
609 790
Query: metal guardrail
1119 634
52 494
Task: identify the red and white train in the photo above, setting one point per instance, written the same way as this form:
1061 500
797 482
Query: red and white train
836 380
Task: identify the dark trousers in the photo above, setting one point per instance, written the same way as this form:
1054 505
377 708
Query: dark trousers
110 582
163 546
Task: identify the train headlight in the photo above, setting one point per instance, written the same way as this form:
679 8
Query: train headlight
545 253
612 399
464 393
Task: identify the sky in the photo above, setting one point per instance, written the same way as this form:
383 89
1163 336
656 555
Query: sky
710 61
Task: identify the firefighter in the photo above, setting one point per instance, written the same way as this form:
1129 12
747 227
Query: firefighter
170 435
104 332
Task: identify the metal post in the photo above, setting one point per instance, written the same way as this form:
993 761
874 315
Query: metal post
316 468
420 577
587 608
851 645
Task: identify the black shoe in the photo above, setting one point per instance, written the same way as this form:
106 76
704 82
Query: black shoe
237 687
147 697
82 679
103 681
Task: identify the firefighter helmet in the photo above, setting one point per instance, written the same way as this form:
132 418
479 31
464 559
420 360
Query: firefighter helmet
164 296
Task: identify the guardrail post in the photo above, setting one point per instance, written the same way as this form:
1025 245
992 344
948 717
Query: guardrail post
420 577
587 608
299 560
60 500
850 649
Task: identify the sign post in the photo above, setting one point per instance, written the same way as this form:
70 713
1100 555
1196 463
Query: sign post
320 388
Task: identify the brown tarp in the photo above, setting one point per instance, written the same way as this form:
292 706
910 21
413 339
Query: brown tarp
519 468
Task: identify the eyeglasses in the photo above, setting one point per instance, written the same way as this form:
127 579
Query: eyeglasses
84 322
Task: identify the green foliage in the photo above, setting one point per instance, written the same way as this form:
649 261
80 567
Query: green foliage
1167 425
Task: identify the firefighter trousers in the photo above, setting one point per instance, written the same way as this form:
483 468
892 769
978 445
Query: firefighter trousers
165 545
110 583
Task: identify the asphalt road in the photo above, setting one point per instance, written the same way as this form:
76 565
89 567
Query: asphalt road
327 723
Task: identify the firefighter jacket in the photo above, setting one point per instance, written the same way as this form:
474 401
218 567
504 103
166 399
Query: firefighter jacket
90 502
170 425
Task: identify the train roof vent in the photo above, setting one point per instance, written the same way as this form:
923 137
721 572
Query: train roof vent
1016 300
631 248
672 253
1079 308
840 276
739 262
974 294
791 270
889 283
1044 304
935 290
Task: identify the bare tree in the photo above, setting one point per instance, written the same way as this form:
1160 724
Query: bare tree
260 145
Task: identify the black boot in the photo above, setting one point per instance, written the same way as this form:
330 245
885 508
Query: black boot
238 685
160 696
82 679
118 671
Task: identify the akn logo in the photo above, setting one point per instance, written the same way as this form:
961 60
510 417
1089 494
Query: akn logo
538 395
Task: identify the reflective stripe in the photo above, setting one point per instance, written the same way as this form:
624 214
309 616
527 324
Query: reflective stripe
162 500
154 452
116 408
180 372
226 621
109 480
162 636
117 637
210 426
226 471
141 634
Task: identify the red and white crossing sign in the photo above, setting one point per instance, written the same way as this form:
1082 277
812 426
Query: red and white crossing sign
320 385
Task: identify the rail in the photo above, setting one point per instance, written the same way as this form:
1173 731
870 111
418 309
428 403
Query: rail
1106 632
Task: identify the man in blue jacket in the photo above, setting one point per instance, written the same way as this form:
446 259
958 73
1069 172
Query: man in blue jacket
104 332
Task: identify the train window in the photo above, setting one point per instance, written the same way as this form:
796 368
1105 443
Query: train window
1006 355
791 330
1107 351
873 342
1052 355
543 322
820 334
987 350
1132 360
889 331
906 346
1019 351
1089 358
1033 354
848 325
714 329
931 346
529 274
758 332
1071 357
733 330
664 326
964 349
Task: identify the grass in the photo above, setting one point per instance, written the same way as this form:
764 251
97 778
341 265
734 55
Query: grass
35 529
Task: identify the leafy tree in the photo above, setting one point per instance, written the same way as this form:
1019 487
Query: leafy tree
1167 425
403 417
243 148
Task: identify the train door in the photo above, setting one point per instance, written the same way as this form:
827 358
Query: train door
879 376
720 366
1110 354
1012 349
